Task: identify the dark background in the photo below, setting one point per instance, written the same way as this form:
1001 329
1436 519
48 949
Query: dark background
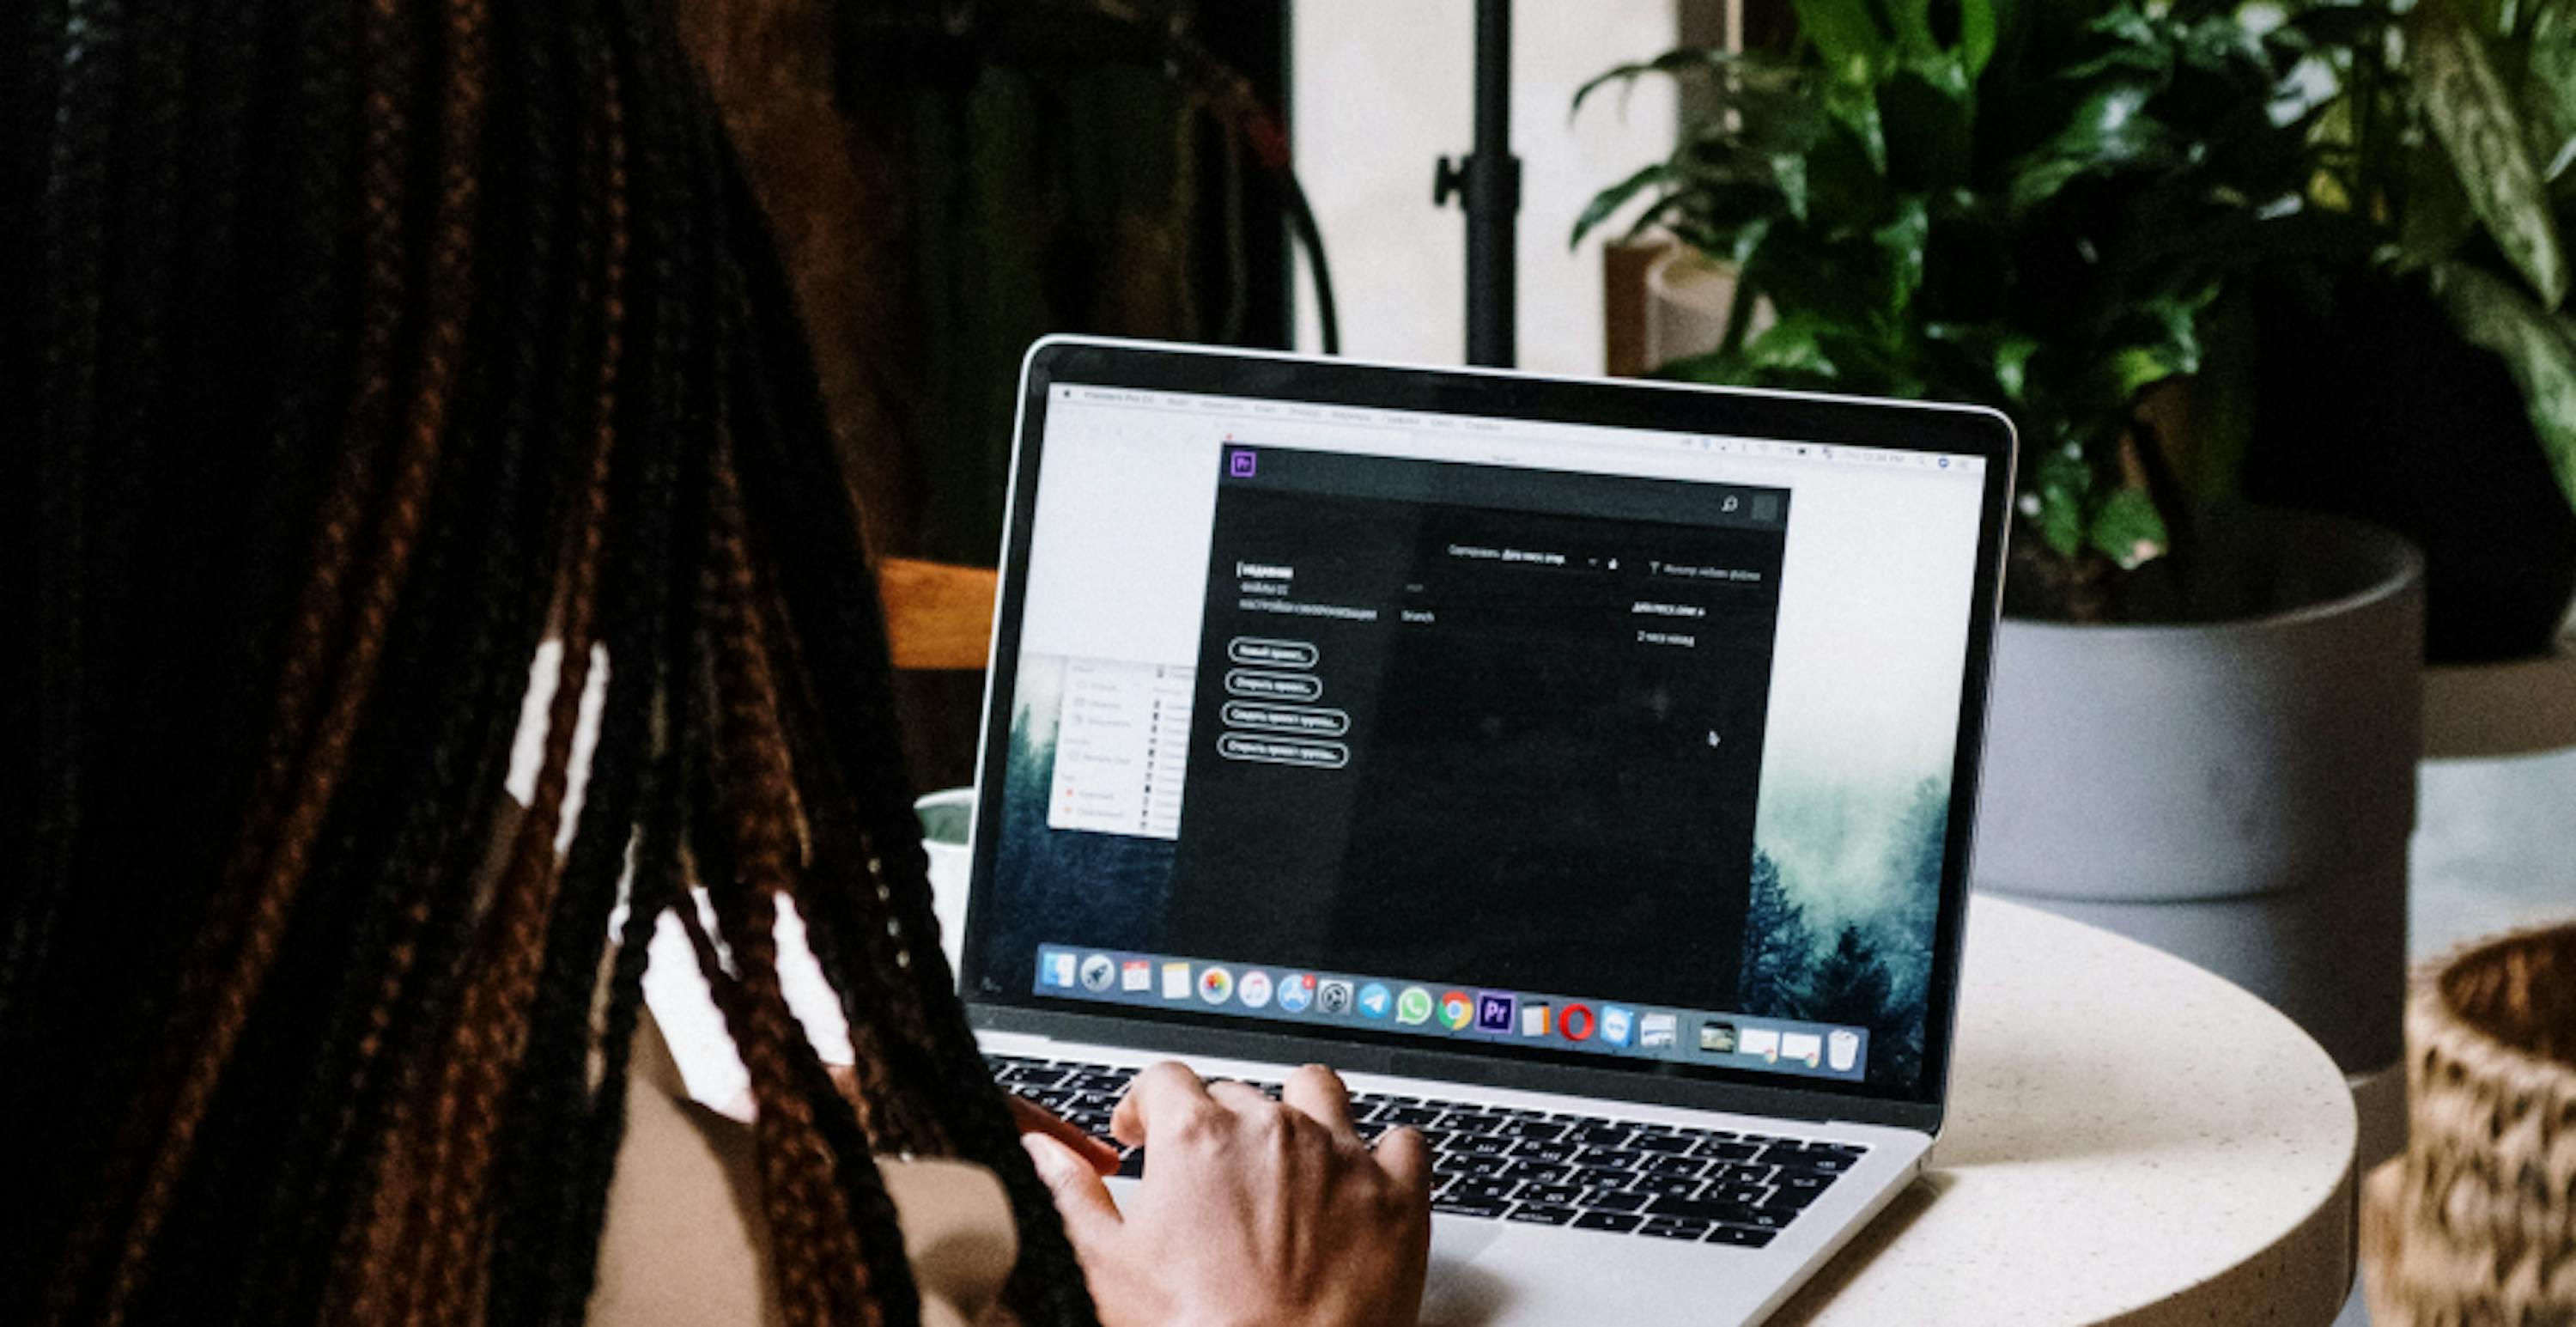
1531 799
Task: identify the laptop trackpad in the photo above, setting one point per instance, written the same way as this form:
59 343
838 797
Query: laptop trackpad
1460 1291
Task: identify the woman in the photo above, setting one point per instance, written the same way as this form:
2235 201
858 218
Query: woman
360 344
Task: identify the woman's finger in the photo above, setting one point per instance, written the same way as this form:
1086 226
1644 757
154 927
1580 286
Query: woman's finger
1406 1157
1036 1119
1241 1098
1084 1202
1319 1092
1164 1095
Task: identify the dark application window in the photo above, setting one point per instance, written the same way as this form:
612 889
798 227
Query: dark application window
1492 726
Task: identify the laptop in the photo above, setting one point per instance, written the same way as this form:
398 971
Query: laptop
1582 768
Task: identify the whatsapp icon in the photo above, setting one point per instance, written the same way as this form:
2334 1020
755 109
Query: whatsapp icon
1414 1006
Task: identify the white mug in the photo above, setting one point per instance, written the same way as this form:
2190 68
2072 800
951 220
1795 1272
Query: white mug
947 827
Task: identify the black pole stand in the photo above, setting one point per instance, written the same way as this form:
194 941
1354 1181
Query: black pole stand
1488 187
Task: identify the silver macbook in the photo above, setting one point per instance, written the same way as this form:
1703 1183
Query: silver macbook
1583 768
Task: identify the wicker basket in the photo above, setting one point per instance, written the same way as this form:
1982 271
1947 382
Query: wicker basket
2476 1224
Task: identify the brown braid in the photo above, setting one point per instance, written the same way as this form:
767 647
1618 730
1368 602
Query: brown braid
490 1034
162 1127
305 1039
821 1276
451 268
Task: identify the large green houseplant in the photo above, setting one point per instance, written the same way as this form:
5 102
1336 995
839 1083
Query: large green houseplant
2025 203
2429 384
2203 723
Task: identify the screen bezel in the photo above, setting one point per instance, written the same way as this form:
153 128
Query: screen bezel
1666 407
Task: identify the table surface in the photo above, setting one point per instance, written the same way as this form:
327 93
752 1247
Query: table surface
2130 1138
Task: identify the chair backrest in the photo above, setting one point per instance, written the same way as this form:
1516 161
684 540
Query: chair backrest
938 616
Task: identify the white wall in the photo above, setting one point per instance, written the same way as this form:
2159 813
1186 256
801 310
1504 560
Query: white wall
1383 88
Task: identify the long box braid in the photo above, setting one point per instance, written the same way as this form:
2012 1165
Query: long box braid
361 338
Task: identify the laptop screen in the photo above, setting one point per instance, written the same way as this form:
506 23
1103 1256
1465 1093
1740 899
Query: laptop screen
1526 737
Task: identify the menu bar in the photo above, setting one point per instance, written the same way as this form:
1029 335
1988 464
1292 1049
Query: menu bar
1417 424
1440 1010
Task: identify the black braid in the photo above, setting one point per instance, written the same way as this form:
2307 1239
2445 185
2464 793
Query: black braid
71 240
538 1167
271 1152
220 324
871 1210
39 796
800 501
492 634
660 881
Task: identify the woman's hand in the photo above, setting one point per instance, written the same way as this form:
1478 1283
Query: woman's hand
1251 1211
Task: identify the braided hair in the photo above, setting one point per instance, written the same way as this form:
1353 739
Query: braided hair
365 344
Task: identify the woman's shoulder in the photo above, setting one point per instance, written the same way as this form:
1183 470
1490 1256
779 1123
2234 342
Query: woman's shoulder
683 1240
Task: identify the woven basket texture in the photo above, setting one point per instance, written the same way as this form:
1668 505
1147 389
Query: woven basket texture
2475 1226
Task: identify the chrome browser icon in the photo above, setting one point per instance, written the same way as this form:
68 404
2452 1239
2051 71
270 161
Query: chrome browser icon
1456 1010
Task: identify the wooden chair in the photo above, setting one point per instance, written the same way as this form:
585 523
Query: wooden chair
939 617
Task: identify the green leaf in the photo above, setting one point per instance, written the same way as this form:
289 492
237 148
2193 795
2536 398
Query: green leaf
1795 344
1902 241
2127 529
1999 354
2060 484
1928 107
1977 31
1847 181
2109 132
2474 117
1677 63
2438 217
1790 174
2221 45
1729 70
2166 345
1847 37
2539 350
1913 20
2012 364
1615 197
2549 86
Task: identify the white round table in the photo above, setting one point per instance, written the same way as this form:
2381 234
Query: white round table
2130 1139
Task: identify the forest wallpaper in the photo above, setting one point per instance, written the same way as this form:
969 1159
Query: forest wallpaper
1841 913
1841 920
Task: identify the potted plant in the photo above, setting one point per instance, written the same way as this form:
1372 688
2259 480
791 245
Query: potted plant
2203 719
2428 382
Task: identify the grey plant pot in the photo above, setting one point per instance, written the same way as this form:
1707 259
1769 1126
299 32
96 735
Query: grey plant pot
2238 793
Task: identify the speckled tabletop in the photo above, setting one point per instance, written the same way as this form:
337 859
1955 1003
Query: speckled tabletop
2130 1140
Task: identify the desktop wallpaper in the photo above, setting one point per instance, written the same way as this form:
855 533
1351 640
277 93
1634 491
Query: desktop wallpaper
1839 923
1101 888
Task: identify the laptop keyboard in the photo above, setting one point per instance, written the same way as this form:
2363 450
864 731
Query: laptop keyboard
1545 1168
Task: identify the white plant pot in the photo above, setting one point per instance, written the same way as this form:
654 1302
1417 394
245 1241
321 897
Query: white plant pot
2239 793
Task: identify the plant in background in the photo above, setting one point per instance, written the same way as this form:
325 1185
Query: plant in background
2450 126
2025 203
